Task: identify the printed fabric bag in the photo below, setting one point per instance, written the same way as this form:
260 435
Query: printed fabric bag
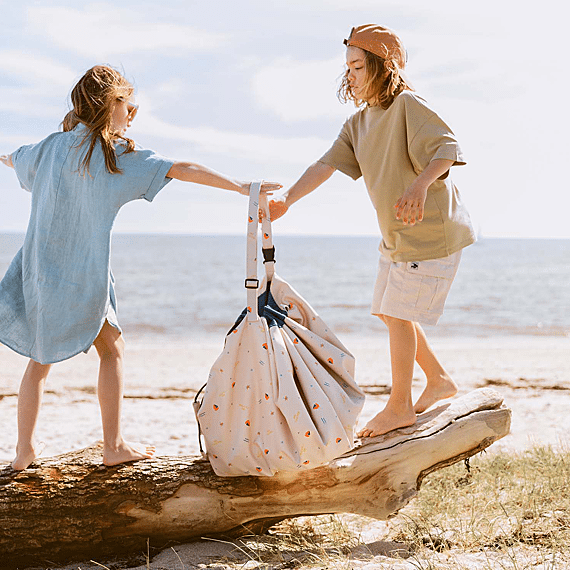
282 395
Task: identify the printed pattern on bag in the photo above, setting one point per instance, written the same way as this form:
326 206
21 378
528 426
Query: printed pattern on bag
284 392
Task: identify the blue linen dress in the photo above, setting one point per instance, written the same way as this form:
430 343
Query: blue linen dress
58 290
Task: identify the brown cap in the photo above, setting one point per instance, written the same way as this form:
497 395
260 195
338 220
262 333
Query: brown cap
382 42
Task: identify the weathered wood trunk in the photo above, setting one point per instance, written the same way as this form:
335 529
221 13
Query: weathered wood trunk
72 507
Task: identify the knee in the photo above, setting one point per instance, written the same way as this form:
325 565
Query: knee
394 321
110 348
37 371
382 318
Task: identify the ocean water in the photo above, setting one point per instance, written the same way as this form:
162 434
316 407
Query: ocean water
185 286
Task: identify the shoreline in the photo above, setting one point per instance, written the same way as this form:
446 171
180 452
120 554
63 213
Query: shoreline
532 373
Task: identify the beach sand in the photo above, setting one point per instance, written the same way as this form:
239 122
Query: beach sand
531 372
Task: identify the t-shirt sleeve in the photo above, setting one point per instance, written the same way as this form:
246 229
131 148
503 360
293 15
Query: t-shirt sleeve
144 174
434 140
25 160
341 155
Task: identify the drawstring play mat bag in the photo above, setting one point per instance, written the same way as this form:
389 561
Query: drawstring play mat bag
282 395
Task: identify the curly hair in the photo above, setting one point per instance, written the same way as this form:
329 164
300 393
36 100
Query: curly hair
384 82
93 99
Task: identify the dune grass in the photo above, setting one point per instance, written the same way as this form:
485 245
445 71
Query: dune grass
513 506
501 510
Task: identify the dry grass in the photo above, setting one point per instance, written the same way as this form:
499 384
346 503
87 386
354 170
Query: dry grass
305 542
514 507
507 511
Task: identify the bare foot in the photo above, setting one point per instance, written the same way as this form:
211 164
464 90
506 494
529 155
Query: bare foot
435 391
25 456
386 421
126 452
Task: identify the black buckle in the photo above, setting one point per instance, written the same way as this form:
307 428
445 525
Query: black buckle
268 254
248 286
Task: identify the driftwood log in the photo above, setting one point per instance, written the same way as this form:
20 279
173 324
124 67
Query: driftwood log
71 507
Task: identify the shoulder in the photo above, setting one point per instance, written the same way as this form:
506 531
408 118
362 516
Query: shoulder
412 103
138 154
37 148
352 123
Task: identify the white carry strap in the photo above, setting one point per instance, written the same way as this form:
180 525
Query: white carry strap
251 280
267 247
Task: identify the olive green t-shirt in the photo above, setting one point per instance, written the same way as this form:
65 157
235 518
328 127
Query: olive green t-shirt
390 148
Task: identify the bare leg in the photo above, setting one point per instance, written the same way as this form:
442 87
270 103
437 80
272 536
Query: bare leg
29 402
439 384
110 346
399 411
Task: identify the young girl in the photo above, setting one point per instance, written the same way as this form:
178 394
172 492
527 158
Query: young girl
57 297
404 152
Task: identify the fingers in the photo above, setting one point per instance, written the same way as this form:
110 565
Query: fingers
409 211
7 160
270 187
277 208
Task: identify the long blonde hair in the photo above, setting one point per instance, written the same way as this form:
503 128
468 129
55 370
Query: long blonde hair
384 82
93 99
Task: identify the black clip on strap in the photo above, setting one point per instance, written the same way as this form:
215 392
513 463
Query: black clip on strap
251 283
268 254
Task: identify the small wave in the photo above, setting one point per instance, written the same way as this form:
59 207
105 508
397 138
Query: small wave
142 328
347 306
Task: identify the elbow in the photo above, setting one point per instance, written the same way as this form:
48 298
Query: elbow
325 170
181 170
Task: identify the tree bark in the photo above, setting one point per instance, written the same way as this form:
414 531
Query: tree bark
72 507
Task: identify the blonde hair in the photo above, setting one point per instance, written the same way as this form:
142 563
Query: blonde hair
93 99
384 82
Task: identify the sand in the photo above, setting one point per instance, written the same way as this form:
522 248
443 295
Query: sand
532 374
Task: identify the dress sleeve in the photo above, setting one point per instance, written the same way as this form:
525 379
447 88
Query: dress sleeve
144 174
341 155
434 140
25 160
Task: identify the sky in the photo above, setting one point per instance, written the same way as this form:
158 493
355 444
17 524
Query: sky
248 89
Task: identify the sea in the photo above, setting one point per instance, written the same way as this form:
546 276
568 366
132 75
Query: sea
189 285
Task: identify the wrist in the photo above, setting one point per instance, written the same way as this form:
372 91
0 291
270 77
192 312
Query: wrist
421 183
242 187
288 199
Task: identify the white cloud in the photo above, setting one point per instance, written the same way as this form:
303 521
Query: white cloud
33 68
9 143
300 90
292 150
99 30
30 102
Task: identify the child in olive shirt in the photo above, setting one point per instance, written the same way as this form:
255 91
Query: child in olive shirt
404 152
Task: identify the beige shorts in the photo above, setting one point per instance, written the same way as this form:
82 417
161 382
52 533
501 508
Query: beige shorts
414 290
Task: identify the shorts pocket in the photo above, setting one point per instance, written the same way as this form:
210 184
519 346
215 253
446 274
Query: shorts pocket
418 289
443 268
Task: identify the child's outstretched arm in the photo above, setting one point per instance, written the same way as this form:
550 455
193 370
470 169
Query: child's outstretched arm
310 180
410 207
191 172
7 160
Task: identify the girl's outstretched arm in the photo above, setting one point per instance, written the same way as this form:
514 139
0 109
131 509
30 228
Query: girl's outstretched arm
7 160
311 179
191 172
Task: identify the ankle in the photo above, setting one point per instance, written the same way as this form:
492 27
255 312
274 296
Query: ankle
401 406
439 377
114 445
26 448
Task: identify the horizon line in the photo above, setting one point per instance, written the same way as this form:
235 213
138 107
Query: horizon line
480 237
